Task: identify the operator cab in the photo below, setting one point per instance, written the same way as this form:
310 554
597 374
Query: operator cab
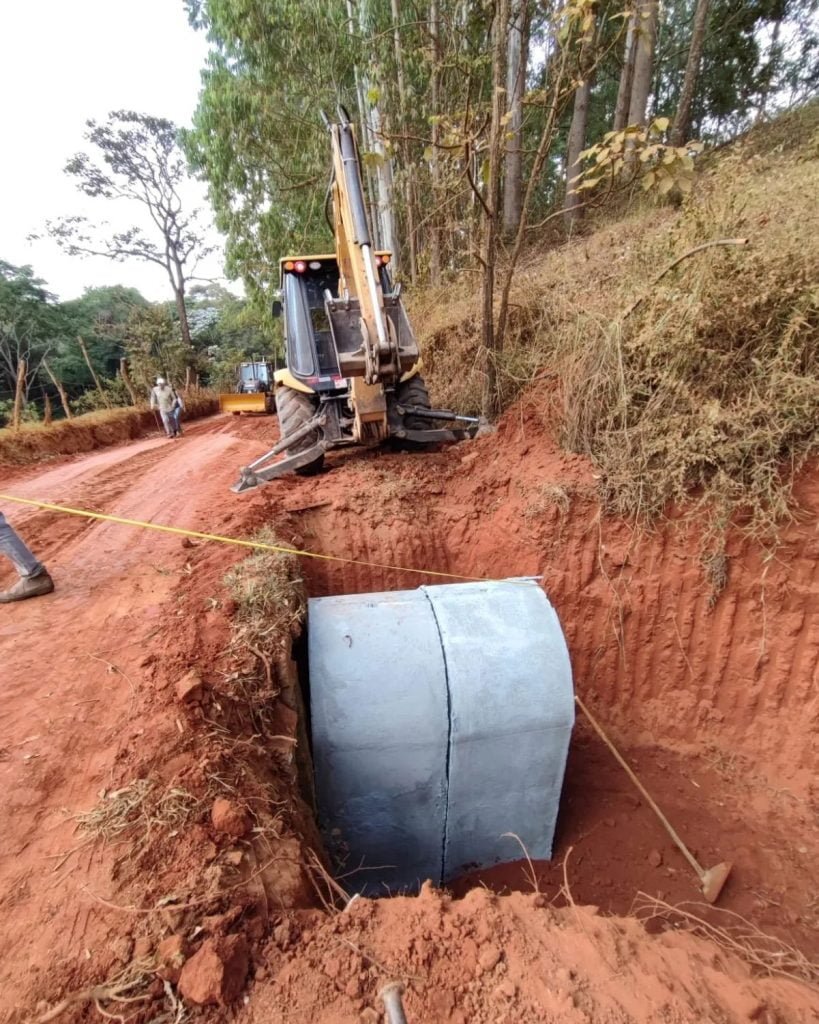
311 355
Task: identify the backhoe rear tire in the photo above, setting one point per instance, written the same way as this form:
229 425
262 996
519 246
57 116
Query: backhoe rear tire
414 392
295 408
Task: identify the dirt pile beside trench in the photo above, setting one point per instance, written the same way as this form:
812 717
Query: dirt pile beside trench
515 959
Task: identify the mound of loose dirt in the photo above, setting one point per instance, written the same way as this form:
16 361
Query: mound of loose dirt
490 960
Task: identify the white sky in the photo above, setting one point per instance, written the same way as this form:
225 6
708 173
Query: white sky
62 62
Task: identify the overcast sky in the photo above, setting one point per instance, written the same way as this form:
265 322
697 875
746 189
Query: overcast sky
62 62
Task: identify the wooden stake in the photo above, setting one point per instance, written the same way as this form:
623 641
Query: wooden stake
47 414
84 351
18 394
60 390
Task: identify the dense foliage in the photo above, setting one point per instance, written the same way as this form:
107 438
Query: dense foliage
418 77
113 323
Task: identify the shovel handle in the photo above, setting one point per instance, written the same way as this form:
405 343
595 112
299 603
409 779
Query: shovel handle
623 764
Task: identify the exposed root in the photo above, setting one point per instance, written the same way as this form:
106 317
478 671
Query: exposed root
118 991
764 953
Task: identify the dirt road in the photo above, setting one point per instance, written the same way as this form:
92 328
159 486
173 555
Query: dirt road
70 664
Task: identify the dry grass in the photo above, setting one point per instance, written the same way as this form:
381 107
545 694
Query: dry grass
270 597
137 808
710 388
545 498
34 442
764 954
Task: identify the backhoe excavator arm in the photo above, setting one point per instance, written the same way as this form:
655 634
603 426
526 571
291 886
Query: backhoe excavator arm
373 345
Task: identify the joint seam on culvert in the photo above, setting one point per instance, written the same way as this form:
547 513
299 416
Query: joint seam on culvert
448 734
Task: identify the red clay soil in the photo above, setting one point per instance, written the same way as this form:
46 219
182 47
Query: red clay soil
509 960
710 694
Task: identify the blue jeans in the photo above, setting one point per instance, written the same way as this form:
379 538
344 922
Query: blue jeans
13 548
167 422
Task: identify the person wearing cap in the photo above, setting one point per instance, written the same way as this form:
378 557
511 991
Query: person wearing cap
34 577
163 398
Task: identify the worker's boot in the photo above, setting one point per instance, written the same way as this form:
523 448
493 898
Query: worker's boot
28 586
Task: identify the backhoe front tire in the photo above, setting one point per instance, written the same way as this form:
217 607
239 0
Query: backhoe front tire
294 409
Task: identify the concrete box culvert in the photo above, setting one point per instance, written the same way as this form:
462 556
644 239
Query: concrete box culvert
441 719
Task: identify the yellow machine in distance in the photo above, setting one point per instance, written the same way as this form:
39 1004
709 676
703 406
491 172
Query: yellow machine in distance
254 390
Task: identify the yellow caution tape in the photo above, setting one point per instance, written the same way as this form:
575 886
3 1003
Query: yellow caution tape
255 544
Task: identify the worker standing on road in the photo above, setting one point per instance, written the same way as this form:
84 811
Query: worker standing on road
34 578
163 398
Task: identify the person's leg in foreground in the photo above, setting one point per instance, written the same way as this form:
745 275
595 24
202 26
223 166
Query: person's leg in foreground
34 578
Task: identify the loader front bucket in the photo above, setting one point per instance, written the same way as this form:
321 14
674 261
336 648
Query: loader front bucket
256 402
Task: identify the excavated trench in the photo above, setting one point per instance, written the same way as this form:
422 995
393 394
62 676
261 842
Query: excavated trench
704 682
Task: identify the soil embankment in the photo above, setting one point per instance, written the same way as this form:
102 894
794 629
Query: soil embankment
704 678
35 442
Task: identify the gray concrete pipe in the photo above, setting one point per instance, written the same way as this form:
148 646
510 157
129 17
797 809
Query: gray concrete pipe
441 719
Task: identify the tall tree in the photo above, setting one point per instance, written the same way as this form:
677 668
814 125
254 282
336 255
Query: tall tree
407 173
517 59
434 29
623 103
492 206
646 39
137 158
577 130
682 118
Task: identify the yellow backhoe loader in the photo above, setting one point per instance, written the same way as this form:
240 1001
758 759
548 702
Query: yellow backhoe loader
253 392
353 365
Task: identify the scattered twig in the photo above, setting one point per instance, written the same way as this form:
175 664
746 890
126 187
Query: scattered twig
532 873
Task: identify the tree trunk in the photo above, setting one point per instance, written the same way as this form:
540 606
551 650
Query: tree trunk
626 76
577 132
490 340
772 62
384 182
408 169
435 170
93 372
60 391
647 13
517 58
126 380
181 308
47 412
682 120
18 394
556 106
